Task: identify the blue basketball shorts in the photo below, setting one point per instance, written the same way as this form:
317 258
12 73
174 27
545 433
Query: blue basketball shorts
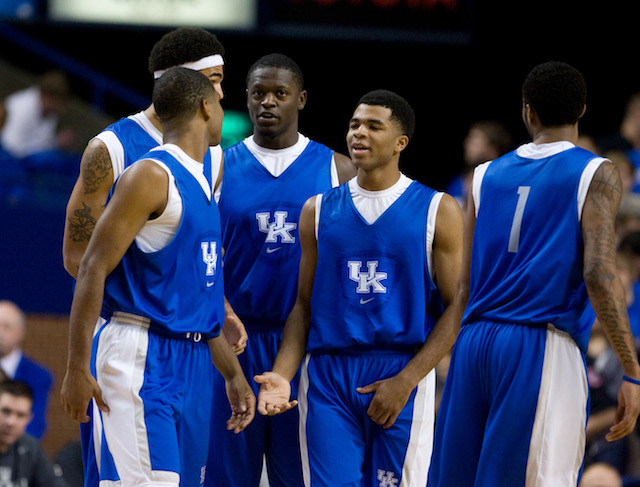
340 445
513 411
159 392
237 460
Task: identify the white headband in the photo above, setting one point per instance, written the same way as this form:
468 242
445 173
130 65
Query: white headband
204 63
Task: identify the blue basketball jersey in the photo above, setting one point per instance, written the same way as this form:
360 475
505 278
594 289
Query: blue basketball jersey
136 142
527 258
259 214
180 287
372 288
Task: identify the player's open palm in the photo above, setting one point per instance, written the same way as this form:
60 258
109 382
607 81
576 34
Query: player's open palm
274 395
242 402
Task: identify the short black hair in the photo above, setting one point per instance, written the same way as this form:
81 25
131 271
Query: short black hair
401 111
280 61
179 92
557 92
16 388
183 45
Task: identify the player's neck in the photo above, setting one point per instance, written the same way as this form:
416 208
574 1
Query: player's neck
378 179
151 114
547 135
276 141
193 144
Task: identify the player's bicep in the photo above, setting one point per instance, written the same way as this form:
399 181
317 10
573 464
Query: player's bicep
141 192
448 247
308 243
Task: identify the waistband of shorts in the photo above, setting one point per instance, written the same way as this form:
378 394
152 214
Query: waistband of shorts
548 326
354 352
121 317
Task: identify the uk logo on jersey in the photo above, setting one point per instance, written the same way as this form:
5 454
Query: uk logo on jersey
367 276
371 282
278 229
210 257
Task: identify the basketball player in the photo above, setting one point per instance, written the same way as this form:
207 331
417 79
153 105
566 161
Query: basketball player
541 242
375 310
123 142
267 179
153 271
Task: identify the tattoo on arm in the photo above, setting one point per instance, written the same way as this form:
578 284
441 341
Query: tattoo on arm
605 291
81 225
96 170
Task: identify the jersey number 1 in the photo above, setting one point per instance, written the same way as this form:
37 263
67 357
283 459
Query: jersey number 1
514 236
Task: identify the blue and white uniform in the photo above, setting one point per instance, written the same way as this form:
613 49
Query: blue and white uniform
373 305
162 303
262 194
127 140
514 408
131 137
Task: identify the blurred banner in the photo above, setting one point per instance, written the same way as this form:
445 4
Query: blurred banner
226 14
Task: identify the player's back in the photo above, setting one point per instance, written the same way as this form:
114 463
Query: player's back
527 249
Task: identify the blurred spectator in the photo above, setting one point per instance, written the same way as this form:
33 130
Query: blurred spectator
22 460
47 152
629 255
627 138
15 365
625 167
587 142
13 176
628 216
485 141
600 475
32 117
69 463
604 373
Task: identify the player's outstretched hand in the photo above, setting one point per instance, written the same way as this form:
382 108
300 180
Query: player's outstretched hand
242 402
628 410
274 394
389 398
78 387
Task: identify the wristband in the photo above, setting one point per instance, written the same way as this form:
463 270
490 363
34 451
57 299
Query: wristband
629 379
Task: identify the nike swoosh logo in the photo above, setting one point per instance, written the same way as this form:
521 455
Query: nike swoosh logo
209 284
365 301
271 250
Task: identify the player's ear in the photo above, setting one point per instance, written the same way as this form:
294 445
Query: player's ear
401 143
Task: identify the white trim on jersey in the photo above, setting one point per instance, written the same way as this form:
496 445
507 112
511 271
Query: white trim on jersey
317 216
432 215
303 410
585 182
120 361
558 438
478 176
417 459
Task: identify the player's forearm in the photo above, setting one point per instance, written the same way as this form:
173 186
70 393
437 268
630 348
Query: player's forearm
607 298
439 342
294 342
224 358
85 310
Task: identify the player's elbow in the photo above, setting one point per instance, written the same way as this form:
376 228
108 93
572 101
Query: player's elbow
598 276
71 263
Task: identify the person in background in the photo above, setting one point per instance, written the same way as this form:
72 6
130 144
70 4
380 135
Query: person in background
23 462
16 365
